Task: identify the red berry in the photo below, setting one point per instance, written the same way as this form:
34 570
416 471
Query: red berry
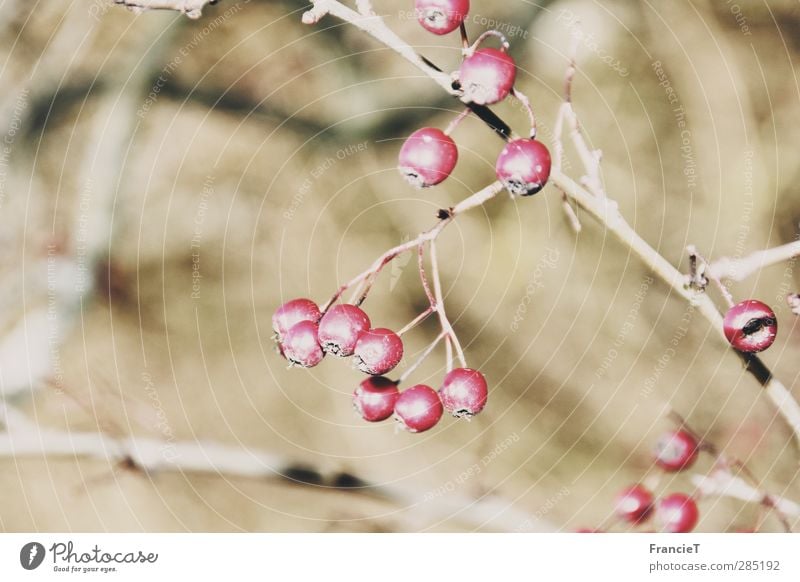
418 408
427 157
464 392
487 76
441 16
523 166
292 312
677 513
340 328
375 398
378 351
750 326
301 345
634 504
676 450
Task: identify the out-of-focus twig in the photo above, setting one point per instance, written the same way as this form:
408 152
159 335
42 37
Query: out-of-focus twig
191 8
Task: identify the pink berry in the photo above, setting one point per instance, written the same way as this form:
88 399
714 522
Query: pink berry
750 326
487 76
441 16
523 166
676 450
634 504
464 392
340 328
427 157
292 312
677 513
375 398
378 351
418 408
301 345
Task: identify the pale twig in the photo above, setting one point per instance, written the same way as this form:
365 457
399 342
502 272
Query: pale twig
700 273
424 356
722 483
447 327
191 8
24 438
740 269
446 217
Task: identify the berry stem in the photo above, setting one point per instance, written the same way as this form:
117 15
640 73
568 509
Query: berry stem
416 321
413 367
457 121
477 199
464 36
447 327
504 44
526 103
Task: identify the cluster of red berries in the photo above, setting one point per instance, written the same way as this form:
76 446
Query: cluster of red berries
750 326
486 77
305 335
675 450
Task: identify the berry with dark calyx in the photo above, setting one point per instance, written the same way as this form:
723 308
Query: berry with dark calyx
418 408
523 166
378 351
487 76
427 157
301 345
750 326
375 398
634 504
464 392
676 450
441 16
340 328
293 312
677 513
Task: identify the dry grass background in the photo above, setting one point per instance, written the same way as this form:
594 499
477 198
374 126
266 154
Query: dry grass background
254 107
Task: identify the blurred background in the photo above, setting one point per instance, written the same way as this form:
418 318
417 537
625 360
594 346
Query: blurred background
166 183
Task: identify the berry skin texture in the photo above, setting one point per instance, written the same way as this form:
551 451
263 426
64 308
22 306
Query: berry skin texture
378 351
340 328
750 326
301 345
677 513
634 504
375 398
464 392
418 408
441 16
676 450
487 76
523 166
293 312
427 157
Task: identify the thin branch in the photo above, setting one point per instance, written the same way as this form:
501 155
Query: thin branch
446 217
447 327
191 8
424 356
722 483
24 438
740 269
